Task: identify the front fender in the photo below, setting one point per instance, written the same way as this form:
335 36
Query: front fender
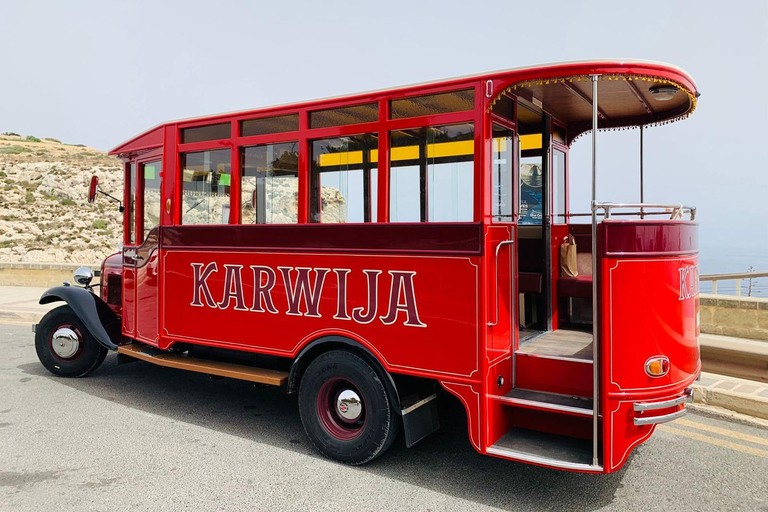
99 319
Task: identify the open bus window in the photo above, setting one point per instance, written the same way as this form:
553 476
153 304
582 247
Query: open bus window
344 178
151 198
269 190
502 175
432 174
206 180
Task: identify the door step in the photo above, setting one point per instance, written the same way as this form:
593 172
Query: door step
546 449
193 364
540 400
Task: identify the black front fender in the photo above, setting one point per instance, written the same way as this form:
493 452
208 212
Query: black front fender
98 318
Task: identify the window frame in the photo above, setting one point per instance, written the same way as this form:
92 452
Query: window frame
304 135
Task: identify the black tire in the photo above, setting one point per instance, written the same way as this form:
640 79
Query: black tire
88 356
349 441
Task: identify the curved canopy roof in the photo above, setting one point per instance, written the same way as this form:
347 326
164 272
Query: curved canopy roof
630 93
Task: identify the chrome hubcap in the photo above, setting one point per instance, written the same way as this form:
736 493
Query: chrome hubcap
349 405
65 342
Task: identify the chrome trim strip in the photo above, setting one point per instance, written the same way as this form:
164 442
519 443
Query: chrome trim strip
543 460
545 405
653 420
652 406
419 404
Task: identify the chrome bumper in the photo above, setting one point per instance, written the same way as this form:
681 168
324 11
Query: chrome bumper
654 406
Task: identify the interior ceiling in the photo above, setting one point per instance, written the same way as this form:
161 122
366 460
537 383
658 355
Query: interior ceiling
623 100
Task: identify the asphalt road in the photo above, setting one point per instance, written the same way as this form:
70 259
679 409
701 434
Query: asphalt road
139 437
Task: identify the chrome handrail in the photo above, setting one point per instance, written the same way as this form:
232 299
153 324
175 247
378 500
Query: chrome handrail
512 281
677 209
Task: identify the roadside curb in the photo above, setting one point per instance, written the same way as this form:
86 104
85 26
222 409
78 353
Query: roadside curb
738 395
17 316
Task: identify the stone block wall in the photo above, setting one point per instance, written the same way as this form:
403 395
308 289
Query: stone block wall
742 317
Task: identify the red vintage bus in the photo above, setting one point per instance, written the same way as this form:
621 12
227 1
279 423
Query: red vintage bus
367 250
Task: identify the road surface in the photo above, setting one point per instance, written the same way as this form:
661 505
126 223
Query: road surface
139 437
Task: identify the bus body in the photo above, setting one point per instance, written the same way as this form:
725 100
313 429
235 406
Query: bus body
366 251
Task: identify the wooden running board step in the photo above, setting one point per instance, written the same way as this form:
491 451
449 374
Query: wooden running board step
574 405
548 449
193 364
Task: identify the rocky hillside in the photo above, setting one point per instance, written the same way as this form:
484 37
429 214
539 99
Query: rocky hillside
44 213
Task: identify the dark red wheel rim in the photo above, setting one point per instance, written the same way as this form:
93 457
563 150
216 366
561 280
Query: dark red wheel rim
340 427
80 348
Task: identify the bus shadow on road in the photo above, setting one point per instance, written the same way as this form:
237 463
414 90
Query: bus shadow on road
444 462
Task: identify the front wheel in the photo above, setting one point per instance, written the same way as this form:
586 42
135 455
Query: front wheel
345 409
64 345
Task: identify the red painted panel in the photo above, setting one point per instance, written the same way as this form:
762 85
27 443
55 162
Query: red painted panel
649 309
439 335
649 238
553 375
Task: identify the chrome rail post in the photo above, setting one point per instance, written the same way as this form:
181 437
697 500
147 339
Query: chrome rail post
511 281
595 315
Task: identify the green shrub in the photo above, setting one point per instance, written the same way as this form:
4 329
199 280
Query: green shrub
99 224
67 202
30 197
51 139
32 138
14 150
11 134
2 174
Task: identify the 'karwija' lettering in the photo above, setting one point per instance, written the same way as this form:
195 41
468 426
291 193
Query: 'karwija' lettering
304 294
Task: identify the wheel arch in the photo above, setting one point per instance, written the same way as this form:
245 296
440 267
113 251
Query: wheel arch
96 315
334 342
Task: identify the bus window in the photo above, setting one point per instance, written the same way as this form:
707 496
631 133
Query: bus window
502 175
266 125
431 174
531 131
206 179
132 184
558 187
151 198
344 171
431 104
269 189
207 132
357 114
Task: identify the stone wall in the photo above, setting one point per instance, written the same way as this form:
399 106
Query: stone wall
40 274
742 317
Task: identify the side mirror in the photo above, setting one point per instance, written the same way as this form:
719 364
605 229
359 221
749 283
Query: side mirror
93 188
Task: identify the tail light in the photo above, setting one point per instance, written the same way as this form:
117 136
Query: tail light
657 366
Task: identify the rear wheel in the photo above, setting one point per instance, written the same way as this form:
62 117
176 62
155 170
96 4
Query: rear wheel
64 345
345 409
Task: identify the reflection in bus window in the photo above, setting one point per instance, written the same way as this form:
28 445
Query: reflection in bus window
431 174
530 125
133 184
151 197
206 180
558 187
344 172
502 175
269 190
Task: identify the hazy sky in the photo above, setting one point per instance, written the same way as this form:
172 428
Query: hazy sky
99 72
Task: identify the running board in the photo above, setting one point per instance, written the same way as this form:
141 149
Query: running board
193 364
540 400
546 449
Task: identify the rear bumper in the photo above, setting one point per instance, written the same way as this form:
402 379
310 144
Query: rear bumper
670 409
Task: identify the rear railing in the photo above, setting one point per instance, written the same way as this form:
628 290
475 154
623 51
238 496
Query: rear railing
641 210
